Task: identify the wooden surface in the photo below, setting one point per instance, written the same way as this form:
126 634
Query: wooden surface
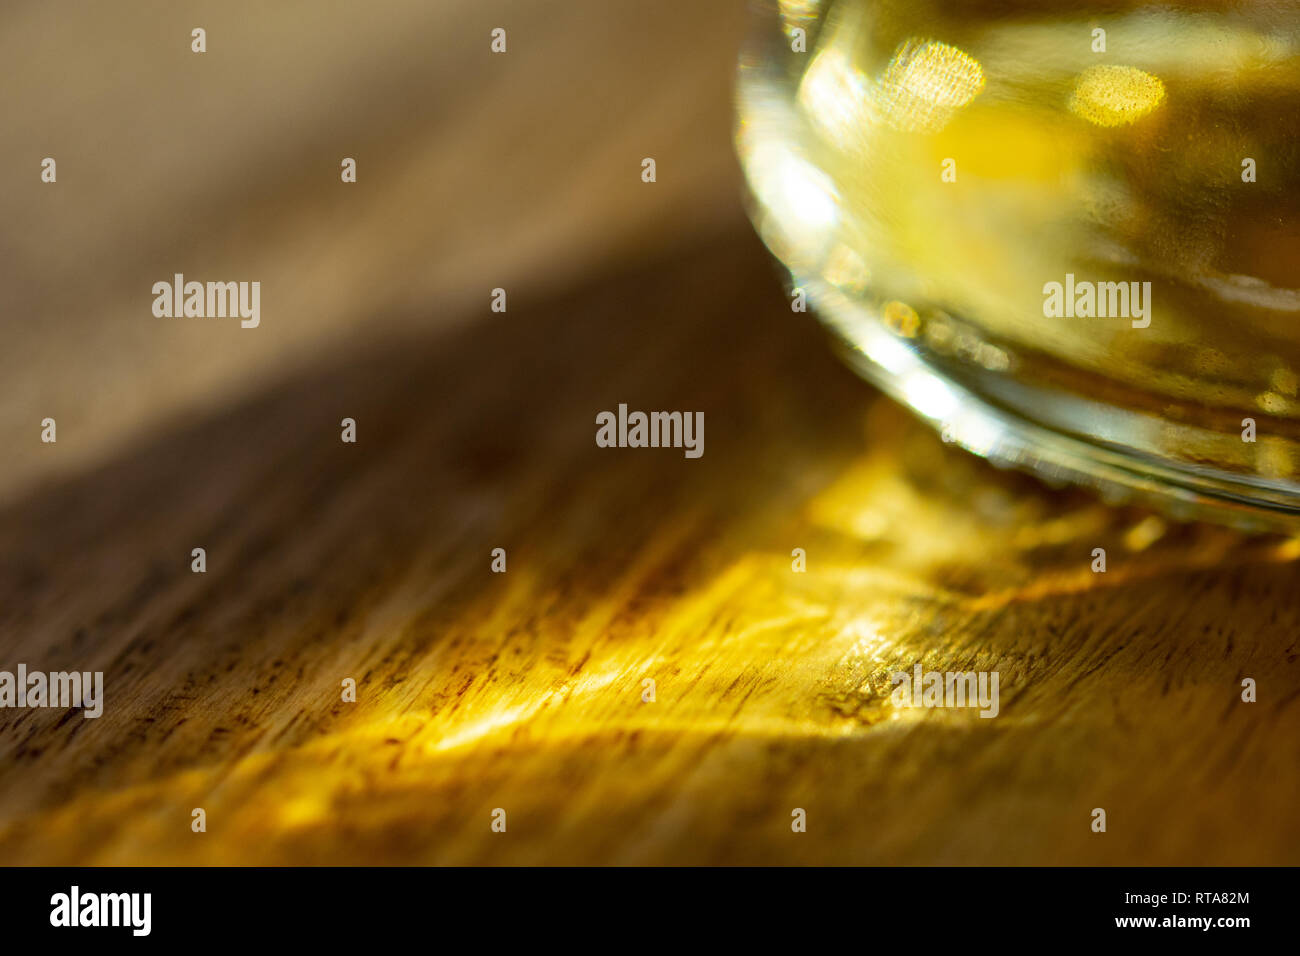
523 690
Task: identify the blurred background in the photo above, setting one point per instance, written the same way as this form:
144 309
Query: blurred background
523 691
475 171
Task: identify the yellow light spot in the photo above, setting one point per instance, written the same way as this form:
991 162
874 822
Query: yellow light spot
1275 458
925 83
901 319
992 358
303 810
1288 550
1284 380
999 142
797 12
1272 403
845 270
1144 534
1115 95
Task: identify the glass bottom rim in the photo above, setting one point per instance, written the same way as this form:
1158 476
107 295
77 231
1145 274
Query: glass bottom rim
1002 430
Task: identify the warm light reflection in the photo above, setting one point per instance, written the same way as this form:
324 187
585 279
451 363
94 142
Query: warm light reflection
920 90
853 625
915 555
925 83
798 13
1110 95
837 98
929 394
798 194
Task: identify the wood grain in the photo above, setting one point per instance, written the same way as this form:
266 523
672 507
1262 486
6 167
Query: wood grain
523 690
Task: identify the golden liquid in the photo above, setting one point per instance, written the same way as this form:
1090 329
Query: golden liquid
934 164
